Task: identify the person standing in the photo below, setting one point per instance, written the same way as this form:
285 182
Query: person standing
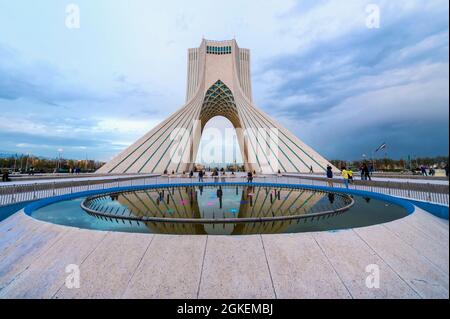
200 176
446 170
345 176
366 172
249 177
350 175
5 176
330 176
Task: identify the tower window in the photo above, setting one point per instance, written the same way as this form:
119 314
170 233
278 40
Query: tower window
218 50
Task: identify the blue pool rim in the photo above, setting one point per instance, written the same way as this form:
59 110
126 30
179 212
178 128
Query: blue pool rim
406 204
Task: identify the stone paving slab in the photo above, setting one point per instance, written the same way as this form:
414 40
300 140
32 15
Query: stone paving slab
20 255
425 278
350 256
235 267
171 268
300 269
432 226
47 273
14 228
109 268
433 250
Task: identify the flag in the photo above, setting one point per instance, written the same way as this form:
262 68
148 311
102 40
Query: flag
382 146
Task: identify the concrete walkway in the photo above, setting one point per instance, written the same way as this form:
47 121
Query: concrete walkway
74 178
403 179
412 255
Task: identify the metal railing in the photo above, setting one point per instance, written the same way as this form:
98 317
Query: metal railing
435 193
11 194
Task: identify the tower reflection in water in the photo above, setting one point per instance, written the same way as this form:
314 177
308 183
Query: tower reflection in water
226 202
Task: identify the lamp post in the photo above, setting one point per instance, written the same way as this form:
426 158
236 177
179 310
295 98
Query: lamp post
26 163
373 159
60 150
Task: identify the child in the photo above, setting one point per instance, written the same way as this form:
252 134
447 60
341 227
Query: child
350 175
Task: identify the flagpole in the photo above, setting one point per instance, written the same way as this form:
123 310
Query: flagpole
373 160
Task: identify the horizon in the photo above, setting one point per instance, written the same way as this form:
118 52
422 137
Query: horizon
6 155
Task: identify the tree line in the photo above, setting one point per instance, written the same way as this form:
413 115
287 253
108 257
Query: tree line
389 164
26 164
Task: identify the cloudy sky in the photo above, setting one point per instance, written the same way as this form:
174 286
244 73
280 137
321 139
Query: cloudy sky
317 68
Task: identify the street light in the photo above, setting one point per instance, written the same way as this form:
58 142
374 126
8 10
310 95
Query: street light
60 150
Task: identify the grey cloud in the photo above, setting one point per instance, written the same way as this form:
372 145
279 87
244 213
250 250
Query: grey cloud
315 82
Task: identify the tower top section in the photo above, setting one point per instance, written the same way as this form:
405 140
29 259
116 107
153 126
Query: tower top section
219 60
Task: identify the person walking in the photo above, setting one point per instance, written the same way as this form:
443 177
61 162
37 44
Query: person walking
344 173
350 175
330 176
423 170
5 176
366 172
200 176
311 171
249 177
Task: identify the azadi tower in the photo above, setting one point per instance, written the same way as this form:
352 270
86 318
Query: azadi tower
218 83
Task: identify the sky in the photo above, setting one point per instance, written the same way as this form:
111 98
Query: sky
342 87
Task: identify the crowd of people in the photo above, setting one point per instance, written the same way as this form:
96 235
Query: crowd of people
431 170
365 170
74 170
347 174
216 174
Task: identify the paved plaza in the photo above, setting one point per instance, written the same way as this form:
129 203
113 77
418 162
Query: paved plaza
412 255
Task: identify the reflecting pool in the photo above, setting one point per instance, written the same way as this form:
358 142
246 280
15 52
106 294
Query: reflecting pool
221 210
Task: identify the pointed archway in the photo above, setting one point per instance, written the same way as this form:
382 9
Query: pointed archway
219 101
